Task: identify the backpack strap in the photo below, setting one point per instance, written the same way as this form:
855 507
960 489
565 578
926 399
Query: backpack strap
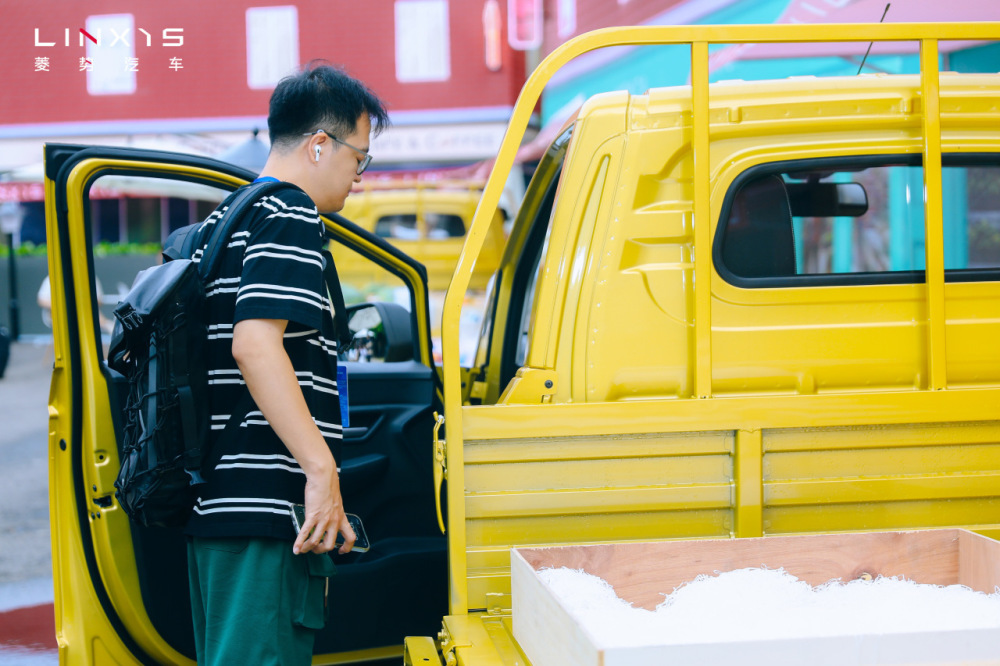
234 219
337 299
181 245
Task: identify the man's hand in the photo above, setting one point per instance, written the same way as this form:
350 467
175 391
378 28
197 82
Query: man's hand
325 517
259 350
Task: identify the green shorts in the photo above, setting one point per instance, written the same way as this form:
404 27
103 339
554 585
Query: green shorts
253 601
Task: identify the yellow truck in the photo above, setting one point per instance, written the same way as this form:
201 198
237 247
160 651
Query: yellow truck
728 310
427 221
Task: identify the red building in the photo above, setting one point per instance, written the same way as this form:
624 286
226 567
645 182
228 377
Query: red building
197 71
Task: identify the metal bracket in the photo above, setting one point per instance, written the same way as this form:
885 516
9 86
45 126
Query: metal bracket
530 386
447 647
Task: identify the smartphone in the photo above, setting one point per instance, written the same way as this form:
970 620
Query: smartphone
361 544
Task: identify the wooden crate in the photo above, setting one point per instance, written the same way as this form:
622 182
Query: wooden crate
641 572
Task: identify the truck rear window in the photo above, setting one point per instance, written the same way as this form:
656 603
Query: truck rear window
857 221
405 226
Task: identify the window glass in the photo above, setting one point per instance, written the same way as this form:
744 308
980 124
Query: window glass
364 281
143 216
856 219
983 201
117 263
524 326
400 227
106 214
444 225
178 213
126 215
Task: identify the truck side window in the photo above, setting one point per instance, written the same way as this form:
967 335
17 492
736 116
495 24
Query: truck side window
444 225
857 221
401 227
524 321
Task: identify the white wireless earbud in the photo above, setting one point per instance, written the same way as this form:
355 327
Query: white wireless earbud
318 151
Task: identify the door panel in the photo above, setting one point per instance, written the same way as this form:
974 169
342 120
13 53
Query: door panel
399 587
137 576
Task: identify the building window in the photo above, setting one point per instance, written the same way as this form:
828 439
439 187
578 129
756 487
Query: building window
110 63
106 214
272 45
423 42
143 216
567 18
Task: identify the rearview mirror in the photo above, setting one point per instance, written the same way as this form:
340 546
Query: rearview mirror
380 332
827 199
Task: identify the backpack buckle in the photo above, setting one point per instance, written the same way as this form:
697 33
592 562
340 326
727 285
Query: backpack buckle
130 319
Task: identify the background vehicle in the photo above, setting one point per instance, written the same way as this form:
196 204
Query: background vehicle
428 222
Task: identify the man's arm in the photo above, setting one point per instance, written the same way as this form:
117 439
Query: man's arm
259 350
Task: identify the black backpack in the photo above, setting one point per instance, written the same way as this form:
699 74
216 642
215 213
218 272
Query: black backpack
159 346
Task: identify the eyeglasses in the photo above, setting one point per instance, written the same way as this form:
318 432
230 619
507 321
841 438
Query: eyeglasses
362 164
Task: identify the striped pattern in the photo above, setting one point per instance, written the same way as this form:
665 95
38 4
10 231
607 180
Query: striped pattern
272 270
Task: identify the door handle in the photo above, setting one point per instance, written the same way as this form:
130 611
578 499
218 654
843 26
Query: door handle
356 433
359 434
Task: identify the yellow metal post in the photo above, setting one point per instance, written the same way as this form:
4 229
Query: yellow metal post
748 458
702 222
933 217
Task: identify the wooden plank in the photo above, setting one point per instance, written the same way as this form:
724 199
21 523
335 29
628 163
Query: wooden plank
642 572
978 562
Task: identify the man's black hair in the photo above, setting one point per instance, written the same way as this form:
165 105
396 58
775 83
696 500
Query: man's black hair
321 96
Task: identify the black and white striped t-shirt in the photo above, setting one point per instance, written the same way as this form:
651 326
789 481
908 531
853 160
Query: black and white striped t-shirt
272 270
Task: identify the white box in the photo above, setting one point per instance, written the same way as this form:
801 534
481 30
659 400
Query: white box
641 572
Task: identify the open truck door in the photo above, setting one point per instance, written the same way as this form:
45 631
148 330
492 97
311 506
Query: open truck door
121 593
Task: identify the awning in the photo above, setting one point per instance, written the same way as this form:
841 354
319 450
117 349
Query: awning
251 154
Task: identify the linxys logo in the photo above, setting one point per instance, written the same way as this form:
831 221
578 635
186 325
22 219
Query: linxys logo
168 37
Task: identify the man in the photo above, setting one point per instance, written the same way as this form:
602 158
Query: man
257 588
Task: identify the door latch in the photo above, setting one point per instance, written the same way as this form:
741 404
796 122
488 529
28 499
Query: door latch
440 467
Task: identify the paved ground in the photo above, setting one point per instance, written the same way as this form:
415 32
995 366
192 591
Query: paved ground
26 618
24 501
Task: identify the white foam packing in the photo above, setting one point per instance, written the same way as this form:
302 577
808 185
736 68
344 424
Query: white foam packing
768 604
